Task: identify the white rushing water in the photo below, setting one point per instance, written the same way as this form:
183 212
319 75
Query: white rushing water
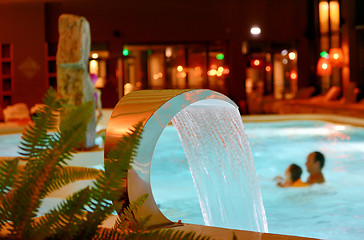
222 168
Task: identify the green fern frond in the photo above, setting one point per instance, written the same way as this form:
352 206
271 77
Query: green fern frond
108 183
8 170
61 222
35 139
5 214
162 234
70 174
39 172
127 222
109 233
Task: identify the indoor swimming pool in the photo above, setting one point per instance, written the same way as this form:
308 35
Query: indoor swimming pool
334 210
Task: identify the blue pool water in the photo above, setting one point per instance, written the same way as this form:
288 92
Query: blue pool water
334 210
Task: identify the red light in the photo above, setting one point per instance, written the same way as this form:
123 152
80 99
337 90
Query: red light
268 68
324 67
293 75
336 57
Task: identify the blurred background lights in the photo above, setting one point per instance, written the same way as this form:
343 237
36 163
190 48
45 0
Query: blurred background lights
293 75
284 52
256 62
324 54
220 56
95 55
226 71
179 68
255 31
125 52
168 52
285 61
94 67
212 72
268 68
157 75
292 55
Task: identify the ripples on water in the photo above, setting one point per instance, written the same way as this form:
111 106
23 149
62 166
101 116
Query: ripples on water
334 210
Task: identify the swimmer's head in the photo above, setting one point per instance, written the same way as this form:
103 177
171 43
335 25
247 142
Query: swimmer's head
295 172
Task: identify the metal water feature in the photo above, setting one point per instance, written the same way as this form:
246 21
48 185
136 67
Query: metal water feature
155 108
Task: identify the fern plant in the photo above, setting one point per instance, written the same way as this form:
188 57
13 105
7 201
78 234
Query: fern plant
80 216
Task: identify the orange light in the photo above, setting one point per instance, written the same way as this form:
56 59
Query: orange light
268 68
179 68
256 62
220 69
336 57
324 67
95 55
94 67
226 71
334 16
324 16
293 75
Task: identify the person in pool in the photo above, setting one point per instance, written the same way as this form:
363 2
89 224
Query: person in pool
293 177
314 164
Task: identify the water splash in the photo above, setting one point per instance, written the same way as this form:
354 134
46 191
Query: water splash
222 167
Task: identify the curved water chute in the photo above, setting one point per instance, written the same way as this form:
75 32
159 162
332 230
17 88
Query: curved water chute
156 108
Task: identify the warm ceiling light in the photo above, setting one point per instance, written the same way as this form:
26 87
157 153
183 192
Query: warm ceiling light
168 52
95 55
292 55
255 31
179 68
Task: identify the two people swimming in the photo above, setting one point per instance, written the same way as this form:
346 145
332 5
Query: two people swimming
314 163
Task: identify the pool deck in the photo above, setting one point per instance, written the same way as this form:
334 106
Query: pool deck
227 234
221 233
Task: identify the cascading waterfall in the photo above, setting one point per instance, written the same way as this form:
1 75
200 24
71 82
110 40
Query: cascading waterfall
221 164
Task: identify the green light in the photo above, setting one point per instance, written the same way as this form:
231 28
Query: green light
324 54
149 51
125 52
220 56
